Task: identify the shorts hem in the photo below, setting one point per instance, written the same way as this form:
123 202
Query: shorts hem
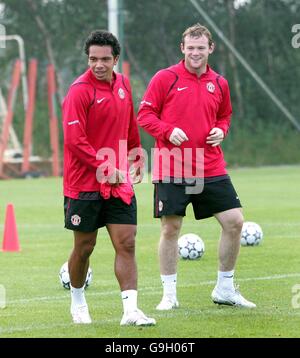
206 216
159 216
83 229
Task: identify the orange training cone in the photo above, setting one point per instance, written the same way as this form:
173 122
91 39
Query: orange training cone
10 237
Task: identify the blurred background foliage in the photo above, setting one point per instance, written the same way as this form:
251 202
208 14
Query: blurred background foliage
54 31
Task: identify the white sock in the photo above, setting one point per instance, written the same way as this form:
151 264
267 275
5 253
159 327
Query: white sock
129 300
77 296
225 280
169 284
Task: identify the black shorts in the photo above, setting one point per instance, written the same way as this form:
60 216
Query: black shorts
217 196
89 215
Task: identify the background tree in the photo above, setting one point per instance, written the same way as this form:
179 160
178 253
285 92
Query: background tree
54 31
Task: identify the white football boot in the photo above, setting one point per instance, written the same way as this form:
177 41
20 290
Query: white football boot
136 318
80 314
167 303
230 298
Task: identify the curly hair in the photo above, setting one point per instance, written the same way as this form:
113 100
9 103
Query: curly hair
102 38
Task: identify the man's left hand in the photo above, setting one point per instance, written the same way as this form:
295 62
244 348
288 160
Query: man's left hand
216 136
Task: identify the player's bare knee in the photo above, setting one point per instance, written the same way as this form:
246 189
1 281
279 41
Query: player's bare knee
126 243
86 250
127 246
238 222
170 230
234 226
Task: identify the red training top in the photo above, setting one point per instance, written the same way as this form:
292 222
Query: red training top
176 97
98 117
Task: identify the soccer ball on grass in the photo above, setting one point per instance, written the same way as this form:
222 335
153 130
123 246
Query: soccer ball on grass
252 234
190 246
64 277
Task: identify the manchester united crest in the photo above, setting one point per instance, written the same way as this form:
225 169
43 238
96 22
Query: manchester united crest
160 205
121 93
210 87
75 220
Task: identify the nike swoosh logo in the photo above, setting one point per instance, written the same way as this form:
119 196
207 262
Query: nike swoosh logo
73 122
125 298
145 102
181 88
228 276
100 100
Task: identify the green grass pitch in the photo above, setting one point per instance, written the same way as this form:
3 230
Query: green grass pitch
37 306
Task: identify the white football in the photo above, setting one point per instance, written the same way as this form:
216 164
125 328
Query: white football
252 234
64 277
190 246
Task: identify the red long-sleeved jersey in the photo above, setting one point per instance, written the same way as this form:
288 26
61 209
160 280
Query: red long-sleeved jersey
97 116
177 98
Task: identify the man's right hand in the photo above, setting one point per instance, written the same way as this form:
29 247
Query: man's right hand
178 136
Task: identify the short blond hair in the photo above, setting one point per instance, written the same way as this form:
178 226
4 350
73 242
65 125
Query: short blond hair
197 30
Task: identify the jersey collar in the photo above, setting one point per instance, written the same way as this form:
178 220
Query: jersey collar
189 74
101 84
